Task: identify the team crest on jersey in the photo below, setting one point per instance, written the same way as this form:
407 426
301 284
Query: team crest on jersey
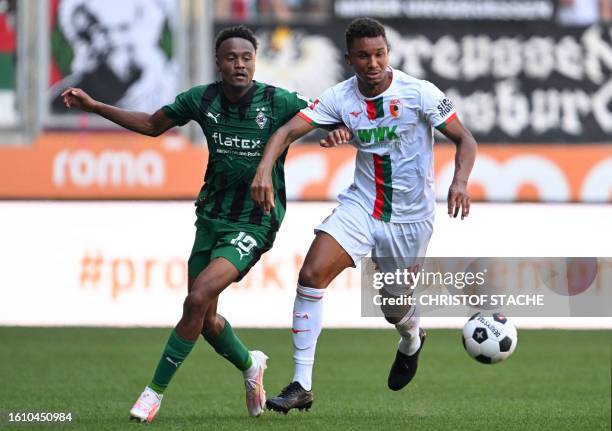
261 118
396 108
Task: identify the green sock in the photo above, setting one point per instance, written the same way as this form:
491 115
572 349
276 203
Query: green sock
228 345
174 354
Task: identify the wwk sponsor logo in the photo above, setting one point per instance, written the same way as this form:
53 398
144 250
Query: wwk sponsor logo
377 134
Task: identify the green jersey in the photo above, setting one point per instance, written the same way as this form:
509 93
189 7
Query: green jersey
237 134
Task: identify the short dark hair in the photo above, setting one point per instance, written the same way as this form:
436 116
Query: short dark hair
240 31
364 27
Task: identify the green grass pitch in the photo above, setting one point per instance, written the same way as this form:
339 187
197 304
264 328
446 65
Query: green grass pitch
556 380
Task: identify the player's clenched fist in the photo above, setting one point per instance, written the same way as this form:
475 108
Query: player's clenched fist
77 98
338 136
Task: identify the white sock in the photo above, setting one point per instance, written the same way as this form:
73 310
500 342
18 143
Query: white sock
307 322
408 328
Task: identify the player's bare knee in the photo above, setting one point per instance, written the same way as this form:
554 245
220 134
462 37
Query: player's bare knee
312 277
195 304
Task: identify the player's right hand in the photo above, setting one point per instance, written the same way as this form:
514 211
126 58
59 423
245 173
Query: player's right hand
458 199
77 98
341 135
262 190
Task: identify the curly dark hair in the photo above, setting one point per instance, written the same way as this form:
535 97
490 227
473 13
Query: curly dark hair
240 31
363 27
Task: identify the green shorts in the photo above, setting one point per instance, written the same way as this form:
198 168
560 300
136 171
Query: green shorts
242 244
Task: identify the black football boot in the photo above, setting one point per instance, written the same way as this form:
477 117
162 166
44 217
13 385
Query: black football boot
294 396
405 367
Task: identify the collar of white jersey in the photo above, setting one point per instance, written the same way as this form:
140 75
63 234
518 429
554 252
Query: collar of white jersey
361 96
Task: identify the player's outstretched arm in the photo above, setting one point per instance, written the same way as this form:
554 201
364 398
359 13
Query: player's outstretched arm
458 196
340 135
262 190
140 122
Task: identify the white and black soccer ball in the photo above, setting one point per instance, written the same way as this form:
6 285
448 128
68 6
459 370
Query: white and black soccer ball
489 339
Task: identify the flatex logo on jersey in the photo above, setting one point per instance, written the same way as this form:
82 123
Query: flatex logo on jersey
236 142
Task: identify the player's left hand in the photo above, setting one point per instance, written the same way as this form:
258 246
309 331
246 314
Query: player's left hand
262 190
458 199
336 137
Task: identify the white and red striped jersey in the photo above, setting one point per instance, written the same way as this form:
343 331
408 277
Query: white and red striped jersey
393 133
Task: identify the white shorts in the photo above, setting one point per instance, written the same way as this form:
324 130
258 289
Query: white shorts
358 233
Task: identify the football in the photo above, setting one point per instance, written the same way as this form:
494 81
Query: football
489 339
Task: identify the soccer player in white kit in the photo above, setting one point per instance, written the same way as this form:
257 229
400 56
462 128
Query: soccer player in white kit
389 208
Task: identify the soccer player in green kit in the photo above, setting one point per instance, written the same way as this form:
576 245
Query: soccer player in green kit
237 115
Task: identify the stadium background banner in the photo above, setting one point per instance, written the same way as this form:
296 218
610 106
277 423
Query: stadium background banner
124 263
119 52
497 10
534 82
129 166
8 63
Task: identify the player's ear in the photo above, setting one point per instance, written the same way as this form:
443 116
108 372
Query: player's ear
347 59
217 65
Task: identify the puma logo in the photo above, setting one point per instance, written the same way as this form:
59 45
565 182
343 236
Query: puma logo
355 113
214 117
242 253
176 364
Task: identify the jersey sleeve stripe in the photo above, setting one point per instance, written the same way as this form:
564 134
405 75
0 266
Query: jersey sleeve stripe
306 118
447 121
